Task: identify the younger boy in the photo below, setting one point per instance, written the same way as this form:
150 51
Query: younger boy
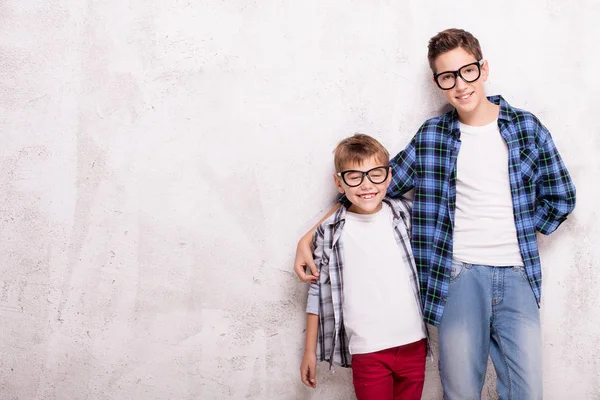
365 310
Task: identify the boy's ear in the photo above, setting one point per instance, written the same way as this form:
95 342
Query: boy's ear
389 178
338 183
485 70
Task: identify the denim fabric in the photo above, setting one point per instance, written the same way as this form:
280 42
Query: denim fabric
490 311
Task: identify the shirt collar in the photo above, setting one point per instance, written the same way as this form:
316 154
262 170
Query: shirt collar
505 115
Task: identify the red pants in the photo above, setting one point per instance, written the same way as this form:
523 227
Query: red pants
396 373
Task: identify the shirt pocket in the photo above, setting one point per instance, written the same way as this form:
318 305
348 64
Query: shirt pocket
529 165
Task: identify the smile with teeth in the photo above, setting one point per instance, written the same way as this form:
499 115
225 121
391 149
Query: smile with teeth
464 97
367 196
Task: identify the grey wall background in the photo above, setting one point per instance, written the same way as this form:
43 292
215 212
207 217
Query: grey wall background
160 159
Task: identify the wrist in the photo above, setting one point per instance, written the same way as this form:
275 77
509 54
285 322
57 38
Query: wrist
310 352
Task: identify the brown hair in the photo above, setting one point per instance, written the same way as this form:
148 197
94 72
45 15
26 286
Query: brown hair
358 148
450 39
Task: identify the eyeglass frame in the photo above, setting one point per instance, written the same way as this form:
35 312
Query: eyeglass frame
364 173
457 74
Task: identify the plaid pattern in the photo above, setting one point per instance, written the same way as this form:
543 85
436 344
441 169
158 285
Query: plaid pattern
325 296
542 194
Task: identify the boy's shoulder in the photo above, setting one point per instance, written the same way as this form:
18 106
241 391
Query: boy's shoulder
439 123
436 128
524 124
332 220
512 114
399 205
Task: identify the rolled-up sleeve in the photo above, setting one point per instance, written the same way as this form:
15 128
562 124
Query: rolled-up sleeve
555 191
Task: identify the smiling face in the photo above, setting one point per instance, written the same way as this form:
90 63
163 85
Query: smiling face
467 98
366 198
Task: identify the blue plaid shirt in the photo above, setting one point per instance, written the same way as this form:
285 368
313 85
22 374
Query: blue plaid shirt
541 188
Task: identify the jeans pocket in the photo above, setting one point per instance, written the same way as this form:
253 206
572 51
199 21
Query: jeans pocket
522 272
457 270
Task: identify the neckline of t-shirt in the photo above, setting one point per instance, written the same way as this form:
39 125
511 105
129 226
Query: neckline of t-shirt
464 128
366 217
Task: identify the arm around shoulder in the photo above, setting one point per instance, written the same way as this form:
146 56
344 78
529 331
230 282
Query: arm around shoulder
304 253
403 170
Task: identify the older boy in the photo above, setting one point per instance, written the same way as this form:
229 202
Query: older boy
486 176
370 320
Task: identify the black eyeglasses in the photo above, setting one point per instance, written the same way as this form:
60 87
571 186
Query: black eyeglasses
469 73
354 178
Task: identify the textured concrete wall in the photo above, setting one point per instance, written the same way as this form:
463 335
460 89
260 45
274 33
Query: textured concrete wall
160 159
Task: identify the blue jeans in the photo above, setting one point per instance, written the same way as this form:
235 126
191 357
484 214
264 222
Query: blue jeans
490 310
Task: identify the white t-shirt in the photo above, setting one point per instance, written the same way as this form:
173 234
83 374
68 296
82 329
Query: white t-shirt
379 306
484 224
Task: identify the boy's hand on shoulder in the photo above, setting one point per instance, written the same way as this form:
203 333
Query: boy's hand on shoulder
308 369
304 258
304 251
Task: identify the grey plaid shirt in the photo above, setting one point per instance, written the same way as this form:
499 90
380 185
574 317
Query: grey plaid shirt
325 296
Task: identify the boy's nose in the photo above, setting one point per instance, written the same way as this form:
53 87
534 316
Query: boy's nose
460 83
366 183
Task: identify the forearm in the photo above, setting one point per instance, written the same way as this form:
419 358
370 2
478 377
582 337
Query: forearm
312 325
308 236
308 368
